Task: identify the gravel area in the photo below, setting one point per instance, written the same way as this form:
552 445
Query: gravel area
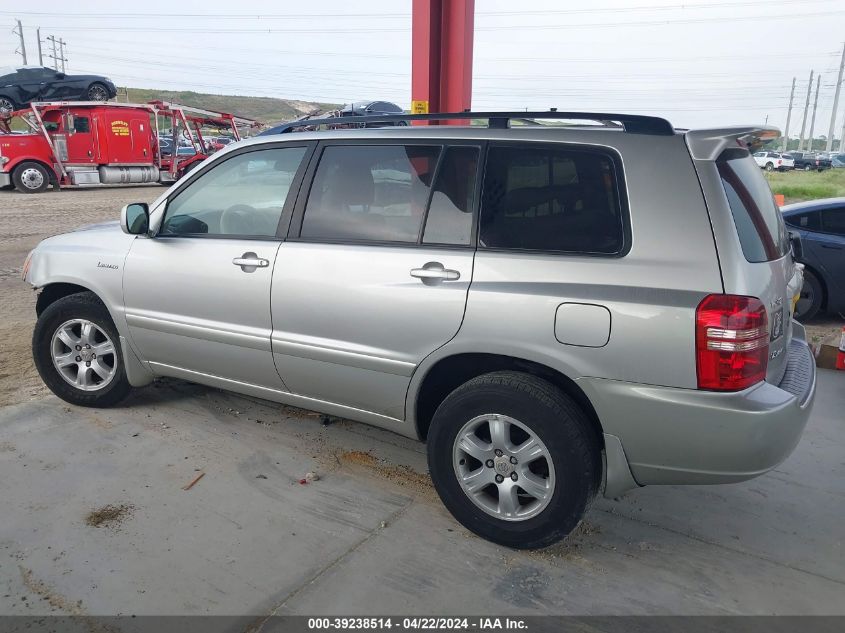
26 219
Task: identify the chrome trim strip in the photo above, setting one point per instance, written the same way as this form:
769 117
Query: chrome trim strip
342 357
252 338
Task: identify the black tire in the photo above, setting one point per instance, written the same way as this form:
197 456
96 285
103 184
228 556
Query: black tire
555 419
27 181
770 167
97 92
84 305
7 104
812 295
807 168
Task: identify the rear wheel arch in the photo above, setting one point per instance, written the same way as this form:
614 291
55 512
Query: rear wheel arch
449 373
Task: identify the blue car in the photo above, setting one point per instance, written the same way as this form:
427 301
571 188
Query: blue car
821 224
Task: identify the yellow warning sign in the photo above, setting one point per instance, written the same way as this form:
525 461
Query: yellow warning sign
120 128
419 107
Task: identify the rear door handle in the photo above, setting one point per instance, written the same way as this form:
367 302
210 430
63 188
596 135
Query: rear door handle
250 261
433 273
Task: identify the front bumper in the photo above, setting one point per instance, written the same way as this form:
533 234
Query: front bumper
5 179
686 436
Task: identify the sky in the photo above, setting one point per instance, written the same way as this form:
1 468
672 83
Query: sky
699 63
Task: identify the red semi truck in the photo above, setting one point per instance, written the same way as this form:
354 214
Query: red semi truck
94 143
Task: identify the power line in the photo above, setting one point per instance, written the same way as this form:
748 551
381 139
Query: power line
407 15
512 28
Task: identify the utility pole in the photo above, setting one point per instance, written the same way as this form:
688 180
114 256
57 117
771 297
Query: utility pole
806 108
40 56
62 53
788 117
56 58
815 105
22 49
835 104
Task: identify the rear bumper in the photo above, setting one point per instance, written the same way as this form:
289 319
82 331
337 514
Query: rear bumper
685 436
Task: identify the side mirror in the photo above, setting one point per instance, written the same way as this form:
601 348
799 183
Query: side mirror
135 218
60 75
797 246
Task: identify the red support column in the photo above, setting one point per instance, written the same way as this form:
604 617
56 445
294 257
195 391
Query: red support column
441 74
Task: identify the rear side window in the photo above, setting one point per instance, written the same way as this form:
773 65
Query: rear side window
543 197
450 211
371 193
759 223
833 221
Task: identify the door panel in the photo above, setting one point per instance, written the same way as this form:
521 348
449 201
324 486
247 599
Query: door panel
350 322
189 306
197 295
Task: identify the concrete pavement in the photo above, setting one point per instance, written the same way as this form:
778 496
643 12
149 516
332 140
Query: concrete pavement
369 536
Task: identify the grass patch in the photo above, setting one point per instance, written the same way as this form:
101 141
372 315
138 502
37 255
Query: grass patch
798 186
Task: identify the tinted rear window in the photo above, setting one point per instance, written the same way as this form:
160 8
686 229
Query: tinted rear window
758 220
544 197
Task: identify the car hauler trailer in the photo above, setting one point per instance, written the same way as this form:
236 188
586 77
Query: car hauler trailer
91 143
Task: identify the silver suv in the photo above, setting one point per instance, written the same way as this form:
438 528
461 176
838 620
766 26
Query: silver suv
558 310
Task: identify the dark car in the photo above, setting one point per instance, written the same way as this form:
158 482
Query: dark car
821 224
808 161
22 85
358 108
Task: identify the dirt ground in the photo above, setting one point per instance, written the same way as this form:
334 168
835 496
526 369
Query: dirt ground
26 219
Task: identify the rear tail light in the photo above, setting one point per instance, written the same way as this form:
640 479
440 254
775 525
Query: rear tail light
731 342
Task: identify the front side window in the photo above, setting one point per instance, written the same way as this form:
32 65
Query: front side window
241 196
759 223
370 193
81 124
549 198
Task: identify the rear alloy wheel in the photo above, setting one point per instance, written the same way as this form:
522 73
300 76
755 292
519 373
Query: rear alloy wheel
29 177
810 300
807 168
514 459
770 167
98 92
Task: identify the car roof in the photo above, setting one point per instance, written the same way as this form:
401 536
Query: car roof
812 205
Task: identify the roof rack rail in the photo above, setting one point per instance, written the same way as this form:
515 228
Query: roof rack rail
632 123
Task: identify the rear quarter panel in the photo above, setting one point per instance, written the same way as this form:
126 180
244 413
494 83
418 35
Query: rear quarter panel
651 292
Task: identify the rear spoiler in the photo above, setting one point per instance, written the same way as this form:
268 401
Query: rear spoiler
709 144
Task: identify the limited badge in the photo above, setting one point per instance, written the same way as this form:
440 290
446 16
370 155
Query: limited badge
777 324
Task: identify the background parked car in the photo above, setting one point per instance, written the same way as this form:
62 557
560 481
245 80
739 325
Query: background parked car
821 224
22 85
774 160
838 161
809 161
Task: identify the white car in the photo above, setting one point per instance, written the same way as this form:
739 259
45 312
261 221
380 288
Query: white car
774 160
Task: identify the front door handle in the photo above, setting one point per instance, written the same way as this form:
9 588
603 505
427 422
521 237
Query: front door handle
250 261
832 247
433 273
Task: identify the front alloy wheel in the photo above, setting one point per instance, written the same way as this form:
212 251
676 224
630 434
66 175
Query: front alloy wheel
77 352
84 355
